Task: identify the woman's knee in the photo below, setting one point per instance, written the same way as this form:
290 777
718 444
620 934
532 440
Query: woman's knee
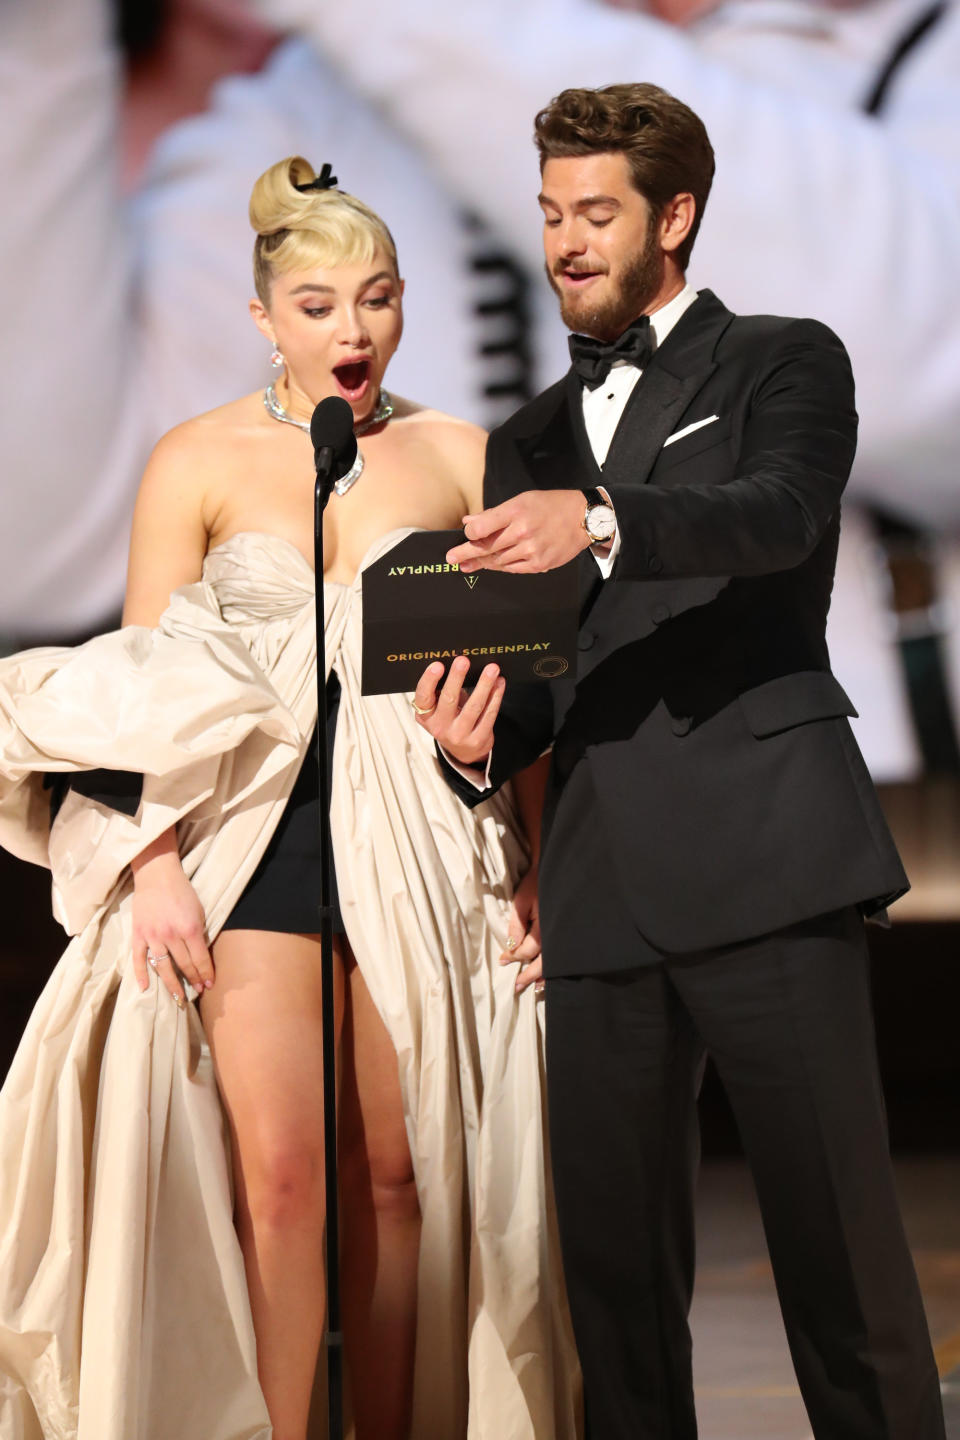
384 1172
283 1183
394 1193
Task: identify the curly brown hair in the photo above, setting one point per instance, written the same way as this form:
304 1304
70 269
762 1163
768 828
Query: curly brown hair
665 144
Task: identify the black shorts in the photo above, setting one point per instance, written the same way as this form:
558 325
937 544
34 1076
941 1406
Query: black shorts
283 893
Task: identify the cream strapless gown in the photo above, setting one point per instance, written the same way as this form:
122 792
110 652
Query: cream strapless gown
123 1307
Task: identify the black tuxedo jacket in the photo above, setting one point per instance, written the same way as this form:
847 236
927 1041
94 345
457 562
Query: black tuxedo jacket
722 767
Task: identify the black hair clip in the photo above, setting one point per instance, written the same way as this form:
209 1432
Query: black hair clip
326 180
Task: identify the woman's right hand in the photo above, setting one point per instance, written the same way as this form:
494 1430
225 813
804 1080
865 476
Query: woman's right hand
523 937
169 925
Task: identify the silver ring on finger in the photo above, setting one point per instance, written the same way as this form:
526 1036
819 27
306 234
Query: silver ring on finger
153 960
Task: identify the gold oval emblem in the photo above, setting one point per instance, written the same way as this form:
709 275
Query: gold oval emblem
550 666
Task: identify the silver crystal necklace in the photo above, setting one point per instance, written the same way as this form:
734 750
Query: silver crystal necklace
383 412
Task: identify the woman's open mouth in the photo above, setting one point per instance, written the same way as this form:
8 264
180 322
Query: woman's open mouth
353 379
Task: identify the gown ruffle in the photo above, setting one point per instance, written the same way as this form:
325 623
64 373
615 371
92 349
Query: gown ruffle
123 1306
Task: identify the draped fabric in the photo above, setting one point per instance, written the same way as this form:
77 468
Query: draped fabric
123 1307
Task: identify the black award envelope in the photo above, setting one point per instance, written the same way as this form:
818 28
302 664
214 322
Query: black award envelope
418 608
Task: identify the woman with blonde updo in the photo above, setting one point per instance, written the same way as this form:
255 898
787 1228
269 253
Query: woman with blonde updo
173 1285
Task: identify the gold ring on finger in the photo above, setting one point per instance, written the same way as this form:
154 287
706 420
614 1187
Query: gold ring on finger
420 711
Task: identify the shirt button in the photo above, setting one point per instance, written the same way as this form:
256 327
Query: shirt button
660 612
681 724
655 564
586 641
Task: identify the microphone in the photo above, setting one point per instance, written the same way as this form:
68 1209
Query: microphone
334 443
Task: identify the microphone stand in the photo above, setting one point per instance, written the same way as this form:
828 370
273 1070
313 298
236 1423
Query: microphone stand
334 1334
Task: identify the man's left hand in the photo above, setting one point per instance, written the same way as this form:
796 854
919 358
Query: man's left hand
538 530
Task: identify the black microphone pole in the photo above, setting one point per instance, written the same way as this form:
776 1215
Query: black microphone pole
326 456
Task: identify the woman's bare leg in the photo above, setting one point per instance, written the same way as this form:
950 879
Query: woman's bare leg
381 1223
263 1020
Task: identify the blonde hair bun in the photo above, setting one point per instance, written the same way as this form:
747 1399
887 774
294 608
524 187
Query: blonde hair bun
304 229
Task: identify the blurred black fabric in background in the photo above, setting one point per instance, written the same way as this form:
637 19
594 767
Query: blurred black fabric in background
139 25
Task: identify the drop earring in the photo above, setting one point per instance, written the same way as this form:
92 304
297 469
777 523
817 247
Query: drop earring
276 359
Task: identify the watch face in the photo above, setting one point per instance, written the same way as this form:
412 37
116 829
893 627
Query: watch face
601 522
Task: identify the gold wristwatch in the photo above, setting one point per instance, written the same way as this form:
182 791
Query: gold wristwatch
599 519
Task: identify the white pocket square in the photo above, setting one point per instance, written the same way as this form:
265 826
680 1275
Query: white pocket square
689 429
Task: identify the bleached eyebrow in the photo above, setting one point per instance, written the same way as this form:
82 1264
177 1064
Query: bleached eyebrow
308 288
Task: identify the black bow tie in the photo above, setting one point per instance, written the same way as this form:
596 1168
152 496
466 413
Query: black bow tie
592 359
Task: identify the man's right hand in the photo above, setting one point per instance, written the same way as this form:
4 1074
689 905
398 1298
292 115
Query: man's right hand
462 723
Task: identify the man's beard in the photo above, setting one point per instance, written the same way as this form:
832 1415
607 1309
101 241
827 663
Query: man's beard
640 283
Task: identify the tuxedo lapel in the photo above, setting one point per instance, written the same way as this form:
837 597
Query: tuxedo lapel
677 370
581 439
559 453
651 414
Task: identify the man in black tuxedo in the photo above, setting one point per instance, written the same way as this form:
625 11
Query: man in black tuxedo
712 840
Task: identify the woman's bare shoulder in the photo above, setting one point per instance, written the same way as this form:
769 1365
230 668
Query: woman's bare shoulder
436 427
227 425
198 452
185 476
455 448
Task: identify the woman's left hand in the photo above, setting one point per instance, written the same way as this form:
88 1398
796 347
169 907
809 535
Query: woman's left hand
523 944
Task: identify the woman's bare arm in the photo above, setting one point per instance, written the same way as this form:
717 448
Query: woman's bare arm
167 546
169 537
460 451
473 447
529 788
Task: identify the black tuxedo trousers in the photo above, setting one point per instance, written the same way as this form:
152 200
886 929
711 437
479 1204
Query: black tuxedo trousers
787 1019
711 842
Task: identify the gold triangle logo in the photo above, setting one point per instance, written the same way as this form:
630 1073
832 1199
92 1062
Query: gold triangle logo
471 580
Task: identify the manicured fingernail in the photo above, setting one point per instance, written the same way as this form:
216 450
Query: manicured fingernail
208 985
540 986
181 1003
